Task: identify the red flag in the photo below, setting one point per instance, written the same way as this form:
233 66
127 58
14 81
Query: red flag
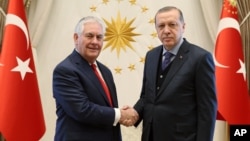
232 91
21 115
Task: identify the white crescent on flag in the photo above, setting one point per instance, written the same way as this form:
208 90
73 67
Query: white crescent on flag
224 24
17 21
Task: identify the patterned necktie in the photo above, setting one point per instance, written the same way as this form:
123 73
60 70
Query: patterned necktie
105 87
167 60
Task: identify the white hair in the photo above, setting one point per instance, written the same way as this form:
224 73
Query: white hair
80 25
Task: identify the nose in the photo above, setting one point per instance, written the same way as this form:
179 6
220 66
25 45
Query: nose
166 30
95 39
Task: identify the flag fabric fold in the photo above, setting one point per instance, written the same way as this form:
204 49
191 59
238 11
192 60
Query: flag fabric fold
21 115
232 90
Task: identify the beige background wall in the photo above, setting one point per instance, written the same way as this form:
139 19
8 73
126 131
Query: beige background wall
51 24
52 35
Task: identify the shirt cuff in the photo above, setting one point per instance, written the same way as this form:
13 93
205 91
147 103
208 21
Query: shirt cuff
117 116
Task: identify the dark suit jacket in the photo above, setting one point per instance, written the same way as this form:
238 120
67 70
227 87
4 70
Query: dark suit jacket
185 107
82 108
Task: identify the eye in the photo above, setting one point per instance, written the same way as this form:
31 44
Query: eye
161 26
172 25
99 37
89 35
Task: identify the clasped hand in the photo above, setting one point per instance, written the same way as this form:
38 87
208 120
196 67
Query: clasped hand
129 116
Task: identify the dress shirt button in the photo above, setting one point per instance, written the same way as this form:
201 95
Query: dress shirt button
161 76
158 88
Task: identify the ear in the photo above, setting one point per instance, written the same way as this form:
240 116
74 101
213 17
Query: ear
183 27
75 37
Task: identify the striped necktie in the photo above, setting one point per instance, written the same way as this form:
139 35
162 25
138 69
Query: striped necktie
166 60
105 87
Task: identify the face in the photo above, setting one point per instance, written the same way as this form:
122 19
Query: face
89 43
169 28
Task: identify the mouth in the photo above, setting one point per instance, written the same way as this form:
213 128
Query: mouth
94 48
167 39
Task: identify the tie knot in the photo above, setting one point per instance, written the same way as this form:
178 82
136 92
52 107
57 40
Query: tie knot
168 55
93 66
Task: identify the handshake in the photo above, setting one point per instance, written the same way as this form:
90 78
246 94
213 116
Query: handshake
129 116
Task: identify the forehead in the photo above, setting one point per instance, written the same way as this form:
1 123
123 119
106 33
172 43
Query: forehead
93 27
171 15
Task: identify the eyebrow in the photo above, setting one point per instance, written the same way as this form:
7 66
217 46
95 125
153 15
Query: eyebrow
93 35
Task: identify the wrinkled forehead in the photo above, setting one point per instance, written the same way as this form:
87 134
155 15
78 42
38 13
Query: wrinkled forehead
93 27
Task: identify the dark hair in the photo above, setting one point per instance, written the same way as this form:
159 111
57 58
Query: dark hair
169 8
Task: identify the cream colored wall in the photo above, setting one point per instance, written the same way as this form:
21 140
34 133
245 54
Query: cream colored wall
52 24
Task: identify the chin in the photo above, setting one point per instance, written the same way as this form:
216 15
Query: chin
168 44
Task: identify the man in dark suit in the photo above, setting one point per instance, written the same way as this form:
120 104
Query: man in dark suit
177 103
85 92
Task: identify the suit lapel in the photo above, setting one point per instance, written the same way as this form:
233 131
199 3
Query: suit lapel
179 60
86 70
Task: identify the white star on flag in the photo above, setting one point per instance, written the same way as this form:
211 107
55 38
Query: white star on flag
242 69
22 67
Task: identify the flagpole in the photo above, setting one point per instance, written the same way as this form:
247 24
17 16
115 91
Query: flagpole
227 132
1 137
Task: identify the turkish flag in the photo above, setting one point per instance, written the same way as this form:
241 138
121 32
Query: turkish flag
232 91
21 115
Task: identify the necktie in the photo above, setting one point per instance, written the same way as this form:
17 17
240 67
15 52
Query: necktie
105 87
166 60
